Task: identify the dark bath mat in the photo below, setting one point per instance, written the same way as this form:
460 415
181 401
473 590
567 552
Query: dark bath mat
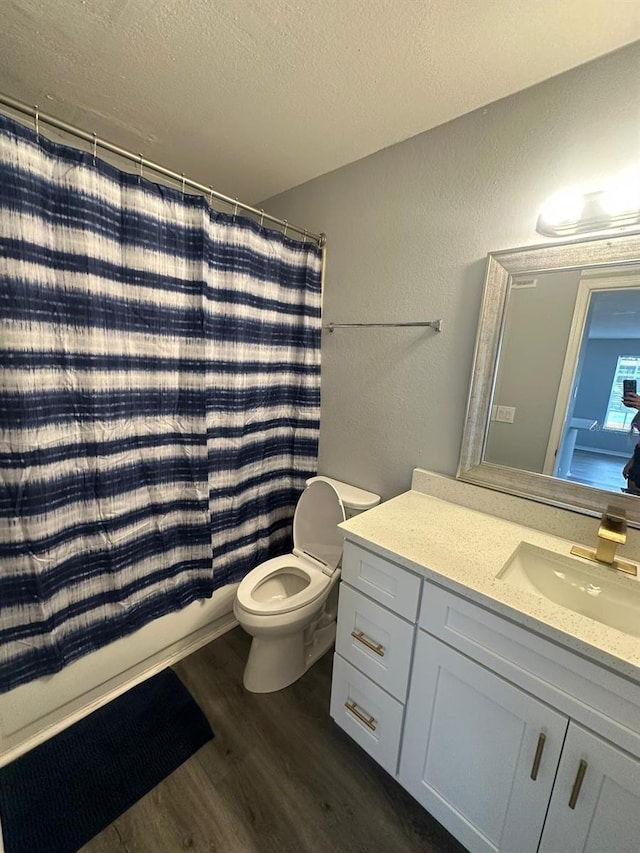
58 796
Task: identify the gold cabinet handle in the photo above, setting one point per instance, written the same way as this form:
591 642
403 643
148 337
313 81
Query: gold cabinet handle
378 648
582 769
538 756
370 722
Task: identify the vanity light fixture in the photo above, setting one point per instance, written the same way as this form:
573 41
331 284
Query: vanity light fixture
574 212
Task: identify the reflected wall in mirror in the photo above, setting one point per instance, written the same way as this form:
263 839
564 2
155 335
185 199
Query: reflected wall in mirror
559 331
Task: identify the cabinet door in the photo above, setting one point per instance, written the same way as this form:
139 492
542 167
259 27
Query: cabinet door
469 751
606 803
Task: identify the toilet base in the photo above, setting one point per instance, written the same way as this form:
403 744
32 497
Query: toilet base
322 641
274 664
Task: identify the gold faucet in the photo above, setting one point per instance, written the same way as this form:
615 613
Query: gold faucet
611 533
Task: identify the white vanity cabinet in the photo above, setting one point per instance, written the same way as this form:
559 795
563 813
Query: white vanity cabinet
377 613
482 757
513 742
472 743
492 705
602 783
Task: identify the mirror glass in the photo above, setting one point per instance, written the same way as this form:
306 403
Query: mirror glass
559 331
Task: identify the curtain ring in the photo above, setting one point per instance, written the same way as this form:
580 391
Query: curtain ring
304 238
210 196
261 216
37 122
141 164
95 147
286 225
235 209
183 185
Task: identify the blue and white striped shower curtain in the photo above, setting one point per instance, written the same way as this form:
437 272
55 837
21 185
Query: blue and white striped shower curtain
159 399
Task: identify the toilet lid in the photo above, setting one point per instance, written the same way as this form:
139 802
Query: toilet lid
315 524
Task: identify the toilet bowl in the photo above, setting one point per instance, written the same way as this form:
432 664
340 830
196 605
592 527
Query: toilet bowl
288 604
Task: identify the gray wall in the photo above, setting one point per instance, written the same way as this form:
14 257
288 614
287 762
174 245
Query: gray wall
408 232
534 343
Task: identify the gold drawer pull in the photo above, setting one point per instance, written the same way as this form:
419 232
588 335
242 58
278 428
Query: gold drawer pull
582 769
538 756
370 722
375 647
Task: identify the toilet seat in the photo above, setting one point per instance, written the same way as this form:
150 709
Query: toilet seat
315 525
301 566
317 551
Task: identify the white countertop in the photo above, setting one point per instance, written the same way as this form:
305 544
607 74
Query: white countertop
463 550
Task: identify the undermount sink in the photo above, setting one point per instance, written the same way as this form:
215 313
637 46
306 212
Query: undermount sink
592 590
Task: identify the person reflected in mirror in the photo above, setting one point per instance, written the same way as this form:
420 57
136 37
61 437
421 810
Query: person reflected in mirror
631 471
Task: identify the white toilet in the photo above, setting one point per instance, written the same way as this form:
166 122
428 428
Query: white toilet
289 604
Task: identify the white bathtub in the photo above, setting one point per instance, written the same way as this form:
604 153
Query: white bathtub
32 713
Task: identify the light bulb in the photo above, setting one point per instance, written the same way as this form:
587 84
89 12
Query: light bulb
564 206
622 195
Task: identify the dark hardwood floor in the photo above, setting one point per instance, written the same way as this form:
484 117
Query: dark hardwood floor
279 777
598 469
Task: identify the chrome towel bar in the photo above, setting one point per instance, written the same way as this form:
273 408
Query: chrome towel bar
435 324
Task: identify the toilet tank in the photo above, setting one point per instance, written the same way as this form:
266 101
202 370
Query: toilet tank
353 499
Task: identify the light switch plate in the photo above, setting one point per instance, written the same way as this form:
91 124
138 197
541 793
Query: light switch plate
505 414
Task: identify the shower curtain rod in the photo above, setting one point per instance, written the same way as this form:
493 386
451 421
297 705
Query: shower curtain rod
37 116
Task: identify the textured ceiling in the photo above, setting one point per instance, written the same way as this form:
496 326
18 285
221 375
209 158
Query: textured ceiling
257 96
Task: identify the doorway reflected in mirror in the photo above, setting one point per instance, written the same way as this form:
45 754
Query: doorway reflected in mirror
596 440
570 339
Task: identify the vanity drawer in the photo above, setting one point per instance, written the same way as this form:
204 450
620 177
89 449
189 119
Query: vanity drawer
376 641
396 588
589 693
366 713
